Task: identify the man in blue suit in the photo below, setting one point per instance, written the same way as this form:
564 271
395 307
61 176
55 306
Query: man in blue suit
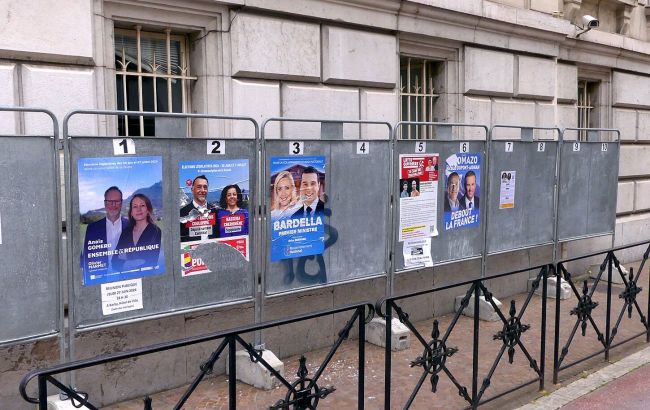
102 237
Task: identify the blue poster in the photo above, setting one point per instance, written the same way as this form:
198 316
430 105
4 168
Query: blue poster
297 206
120 210
462 191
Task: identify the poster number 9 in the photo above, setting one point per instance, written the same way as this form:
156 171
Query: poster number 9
123 146
216 147
420 147
576 146
296 148
464 147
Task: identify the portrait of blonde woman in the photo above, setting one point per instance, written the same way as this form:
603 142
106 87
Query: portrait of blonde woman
284 198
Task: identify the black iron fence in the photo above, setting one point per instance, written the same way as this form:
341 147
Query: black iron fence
436 350
303 393
587 303
306 392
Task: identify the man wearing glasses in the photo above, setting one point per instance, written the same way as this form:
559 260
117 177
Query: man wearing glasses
102 235
453 199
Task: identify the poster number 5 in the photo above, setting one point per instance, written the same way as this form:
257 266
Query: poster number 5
123 146
296 148
216 147
420 147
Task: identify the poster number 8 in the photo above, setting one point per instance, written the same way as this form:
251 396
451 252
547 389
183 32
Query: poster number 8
123 146
420 147
464 147
296 148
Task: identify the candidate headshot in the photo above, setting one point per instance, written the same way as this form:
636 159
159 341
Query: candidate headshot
471 200
199 208
309 194
107 230
453 198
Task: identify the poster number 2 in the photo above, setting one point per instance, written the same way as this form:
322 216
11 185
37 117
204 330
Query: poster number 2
216 147
296 148
420 147
123 146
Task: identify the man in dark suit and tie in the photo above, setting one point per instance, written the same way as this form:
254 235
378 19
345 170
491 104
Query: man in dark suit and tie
470 201
309 190
102 235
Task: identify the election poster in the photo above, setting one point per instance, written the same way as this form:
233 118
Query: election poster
120 209
418 198
507 190
297 206
214 199
462 191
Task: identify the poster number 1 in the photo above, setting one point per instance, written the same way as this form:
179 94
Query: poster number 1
296 148
363 148
420 147
123 146
464 147
509 146
216 147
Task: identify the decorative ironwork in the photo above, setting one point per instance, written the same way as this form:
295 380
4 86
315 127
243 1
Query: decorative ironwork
584 308
305 393
512 331
434 357
629 294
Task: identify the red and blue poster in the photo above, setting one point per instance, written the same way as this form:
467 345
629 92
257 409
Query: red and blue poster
462 191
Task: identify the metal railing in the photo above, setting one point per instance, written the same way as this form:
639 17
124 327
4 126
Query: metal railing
433 360
303 393
583 310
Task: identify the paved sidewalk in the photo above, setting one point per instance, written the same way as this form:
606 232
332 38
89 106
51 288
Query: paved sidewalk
621 385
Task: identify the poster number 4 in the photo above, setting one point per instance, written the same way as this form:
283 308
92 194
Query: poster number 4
363 148
123 146
216 147
296 148
420 147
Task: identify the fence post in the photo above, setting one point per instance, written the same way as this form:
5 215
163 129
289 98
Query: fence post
387 354
477 294
361 317
609 304
232 374
542 347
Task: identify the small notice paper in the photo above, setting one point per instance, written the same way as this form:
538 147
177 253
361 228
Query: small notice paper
417 252
121 296
507 191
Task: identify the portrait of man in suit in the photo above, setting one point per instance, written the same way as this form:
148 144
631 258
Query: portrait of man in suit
471 200
103 235
197 210
309 194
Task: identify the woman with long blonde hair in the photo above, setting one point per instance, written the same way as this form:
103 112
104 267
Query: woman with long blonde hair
284 201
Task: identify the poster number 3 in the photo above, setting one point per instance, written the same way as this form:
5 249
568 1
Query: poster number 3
296 148
216 147
123 146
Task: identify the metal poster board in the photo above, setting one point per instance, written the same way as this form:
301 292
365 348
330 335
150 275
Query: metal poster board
327 208
522 182
448 225
159 226
30 235
588 183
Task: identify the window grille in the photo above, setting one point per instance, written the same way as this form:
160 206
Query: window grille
152 74
418 95
587 99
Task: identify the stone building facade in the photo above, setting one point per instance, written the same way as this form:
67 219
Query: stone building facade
518 62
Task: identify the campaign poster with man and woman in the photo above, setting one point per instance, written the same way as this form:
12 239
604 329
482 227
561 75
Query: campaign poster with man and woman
297 206
214 198
120 210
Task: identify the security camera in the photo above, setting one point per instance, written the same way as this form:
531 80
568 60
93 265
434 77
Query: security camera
590 21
